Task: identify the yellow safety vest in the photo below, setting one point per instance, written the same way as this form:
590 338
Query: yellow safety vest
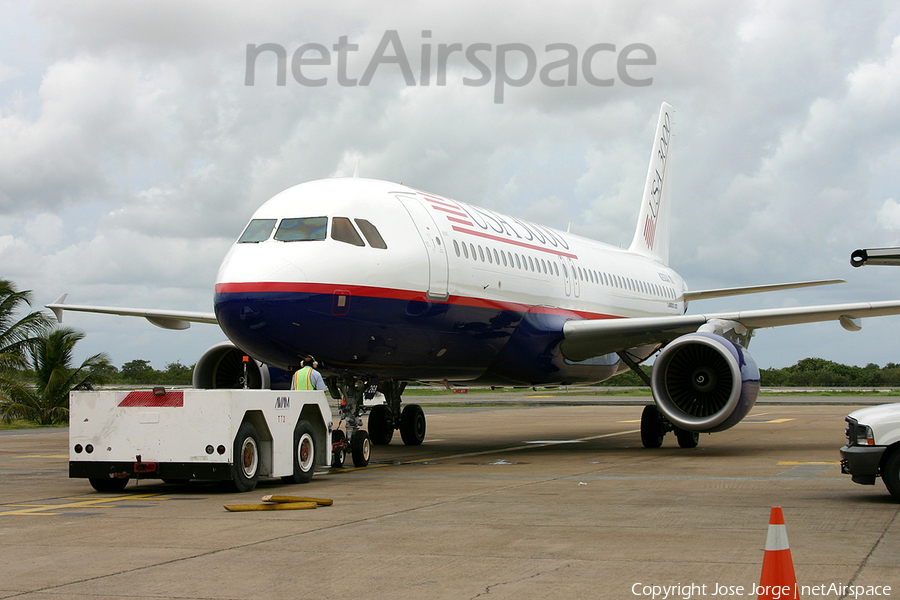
302 379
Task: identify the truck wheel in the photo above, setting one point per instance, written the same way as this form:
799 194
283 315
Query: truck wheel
891 474
381 425
304 453
245 466
361 448
412 425
652 433
108 484
337 449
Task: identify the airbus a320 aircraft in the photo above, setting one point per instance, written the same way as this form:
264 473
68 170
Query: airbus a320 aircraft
385 284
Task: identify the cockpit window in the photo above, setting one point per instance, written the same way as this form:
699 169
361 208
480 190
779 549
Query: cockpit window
302 229
343 230
372 236
258 230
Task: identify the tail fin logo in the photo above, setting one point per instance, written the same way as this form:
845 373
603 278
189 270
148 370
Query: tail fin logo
656 187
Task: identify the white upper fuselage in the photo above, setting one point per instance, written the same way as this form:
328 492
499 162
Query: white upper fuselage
465 254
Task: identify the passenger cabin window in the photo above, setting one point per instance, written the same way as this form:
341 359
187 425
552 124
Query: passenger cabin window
343 230
302 229
372 236
258 230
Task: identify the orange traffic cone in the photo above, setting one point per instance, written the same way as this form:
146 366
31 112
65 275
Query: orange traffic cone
777 581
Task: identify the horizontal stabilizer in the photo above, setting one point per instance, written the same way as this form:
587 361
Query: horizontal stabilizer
755 289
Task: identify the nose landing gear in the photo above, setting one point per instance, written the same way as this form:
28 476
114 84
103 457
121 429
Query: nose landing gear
355 441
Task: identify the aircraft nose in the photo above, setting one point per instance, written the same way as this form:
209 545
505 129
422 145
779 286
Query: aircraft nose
240 267
287 271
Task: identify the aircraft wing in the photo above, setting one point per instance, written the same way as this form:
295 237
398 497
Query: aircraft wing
589 338
167 319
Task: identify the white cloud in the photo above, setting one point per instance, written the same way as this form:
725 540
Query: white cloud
889 215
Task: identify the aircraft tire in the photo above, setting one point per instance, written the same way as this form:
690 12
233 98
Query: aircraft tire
412 425
245 465
107 484
891 474
338 453
304 453
652 432
687 439
381 425
360 448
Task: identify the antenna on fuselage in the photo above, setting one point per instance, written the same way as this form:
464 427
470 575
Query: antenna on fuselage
356 170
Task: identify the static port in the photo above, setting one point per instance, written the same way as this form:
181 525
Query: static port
78 448
89 448
220 449
209 449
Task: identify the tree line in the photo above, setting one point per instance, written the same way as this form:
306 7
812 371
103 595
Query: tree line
139 371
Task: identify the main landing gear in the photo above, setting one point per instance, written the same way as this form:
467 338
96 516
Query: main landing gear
655 426
383 420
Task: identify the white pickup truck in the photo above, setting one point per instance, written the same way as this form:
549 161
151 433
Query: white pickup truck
176 436
873 446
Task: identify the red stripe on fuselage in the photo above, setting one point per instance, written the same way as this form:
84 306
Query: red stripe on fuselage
436 200
514 242
396 294
454 212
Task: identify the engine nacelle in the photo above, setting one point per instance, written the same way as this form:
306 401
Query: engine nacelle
222 367
704 382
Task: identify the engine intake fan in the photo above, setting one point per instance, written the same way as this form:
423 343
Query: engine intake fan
222 367
704 382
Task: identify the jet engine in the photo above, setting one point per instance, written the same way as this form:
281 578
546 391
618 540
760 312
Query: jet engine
704 382
222 367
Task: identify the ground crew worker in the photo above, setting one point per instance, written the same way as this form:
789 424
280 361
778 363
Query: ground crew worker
306 377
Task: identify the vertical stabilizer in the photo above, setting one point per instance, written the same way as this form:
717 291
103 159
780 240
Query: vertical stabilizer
651 237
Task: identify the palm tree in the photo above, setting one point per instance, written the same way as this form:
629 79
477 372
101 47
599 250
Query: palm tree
47 402
17 335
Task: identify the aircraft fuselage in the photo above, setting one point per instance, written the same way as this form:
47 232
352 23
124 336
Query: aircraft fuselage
440 290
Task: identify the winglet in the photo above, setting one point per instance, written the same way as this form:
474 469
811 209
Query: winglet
57 307
651 236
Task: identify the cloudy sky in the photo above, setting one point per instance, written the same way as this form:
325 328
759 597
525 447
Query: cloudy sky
133 152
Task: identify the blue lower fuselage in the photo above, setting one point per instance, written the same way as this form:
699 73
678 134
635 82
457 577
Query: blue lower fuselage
404 336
